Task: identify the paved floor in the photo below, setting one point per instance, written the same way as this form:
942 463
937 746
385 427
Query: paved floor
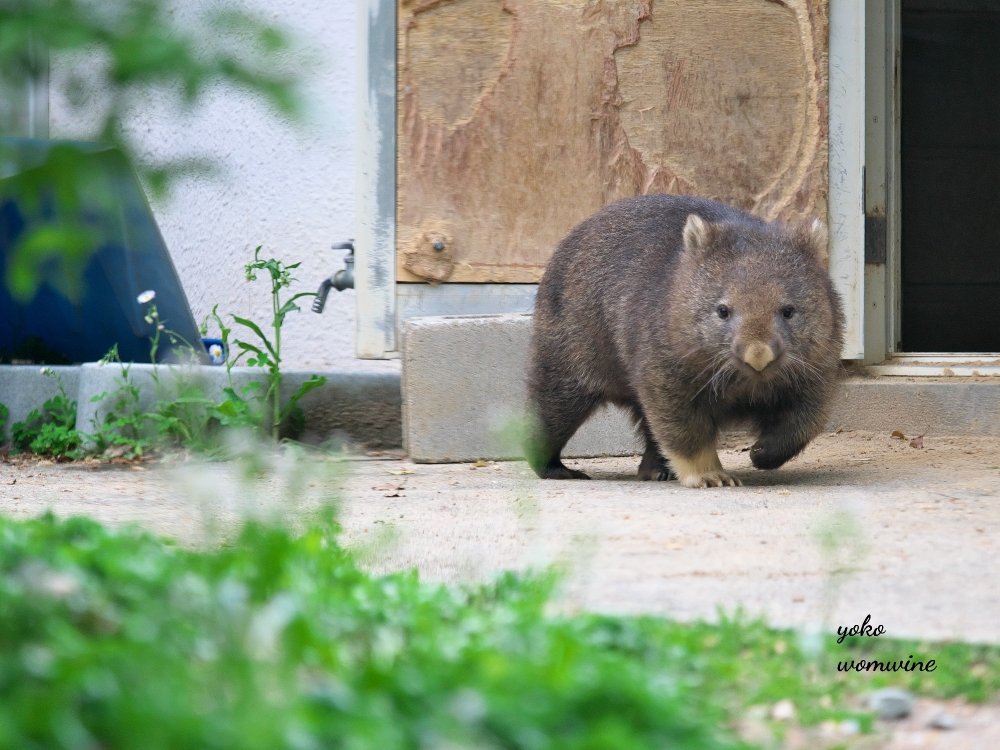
860 524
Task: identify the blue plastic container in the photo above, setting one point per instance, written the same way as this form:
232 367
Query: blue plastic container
84 308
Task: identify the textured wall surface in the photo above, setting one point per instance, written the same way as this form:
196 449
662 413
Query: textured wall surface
289 188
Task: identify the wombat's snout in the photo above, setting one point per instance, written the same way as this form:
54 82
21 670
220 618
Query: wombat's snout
758 354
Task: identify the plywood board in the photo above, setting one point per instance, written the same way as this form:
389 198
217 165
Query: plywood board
519 118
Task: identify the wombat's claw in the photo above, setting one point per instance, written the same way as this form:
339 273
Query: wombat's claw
657 474
666 474
655 470
711 479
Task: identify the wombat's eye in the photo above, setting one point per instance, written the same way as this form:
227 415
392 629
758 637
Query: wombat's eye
723 312
787 312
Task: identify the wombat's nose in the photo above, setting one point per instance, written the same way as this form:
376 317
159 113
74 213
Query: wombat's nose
758 355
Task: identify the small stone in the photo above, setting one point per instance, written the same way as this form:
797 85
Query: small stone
943 720
891 703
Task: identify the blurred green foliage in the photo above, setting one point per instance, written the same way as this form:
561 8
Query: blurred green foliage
278 640
113 58
126 49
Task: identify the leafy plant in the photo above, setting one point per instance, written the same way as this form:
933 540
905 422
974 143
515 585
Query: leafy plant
122 431
242 408
182 414
4 416
50 431
265 351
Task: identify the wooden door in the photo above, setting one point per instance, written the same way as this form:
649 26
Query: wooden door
518 118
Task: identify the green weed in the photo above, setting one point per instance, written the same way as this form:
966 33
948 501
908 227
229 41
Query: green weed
264 351
122 432
50 431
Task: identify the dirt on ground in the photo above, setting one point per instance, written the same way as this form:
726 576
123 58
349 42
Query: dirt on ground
897 529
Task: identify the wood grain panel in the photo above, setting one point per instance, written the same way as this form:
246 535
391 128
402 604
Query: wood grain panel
518 118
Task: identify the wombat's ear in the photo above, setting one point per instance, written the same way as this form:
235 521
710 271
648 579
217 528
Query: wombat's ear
817 239
697 234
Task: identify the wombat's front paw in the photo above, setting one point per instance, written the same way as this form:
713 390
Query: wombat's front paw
702 469
766 454
710 479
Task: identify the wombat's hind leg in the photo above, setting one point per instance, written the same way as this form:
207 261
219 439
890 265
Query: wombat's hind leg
557 416
653 465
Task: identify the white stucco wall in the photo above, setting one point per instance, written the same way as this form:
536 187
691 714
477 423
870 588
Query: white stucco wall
288 188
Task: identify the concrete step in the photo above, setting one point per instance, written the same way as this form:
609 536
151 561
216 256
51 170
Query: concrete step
464 393
355 406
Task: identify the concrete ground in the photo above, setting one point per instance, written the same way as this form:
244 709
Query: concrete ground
860 524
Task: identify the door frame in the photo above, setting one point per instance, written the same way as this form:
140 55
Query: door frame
882 185
382 303
375 236
883 352
846 199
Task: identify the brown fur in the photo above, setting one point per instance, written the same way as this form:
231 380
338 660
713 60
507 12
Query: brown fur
628 312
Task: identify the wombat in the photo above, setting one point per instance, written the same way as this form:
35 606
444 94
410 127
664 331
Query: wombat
694 316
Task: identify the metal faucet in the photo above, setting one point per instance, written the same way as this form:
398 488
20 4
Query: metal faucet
341 280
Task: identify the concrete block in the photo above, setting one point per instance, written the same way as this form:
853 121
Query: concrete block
360 407
464 393
25 387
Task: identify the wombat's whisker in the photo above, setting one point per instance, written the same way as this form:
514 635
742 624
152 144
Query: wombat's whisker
719 358
713 363
799 362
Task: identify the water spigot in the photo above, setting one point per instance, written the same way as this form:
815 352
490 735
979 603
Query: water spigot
341 280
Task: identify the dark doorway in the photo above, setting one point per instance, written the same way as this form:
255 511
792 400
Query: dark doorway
950 186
